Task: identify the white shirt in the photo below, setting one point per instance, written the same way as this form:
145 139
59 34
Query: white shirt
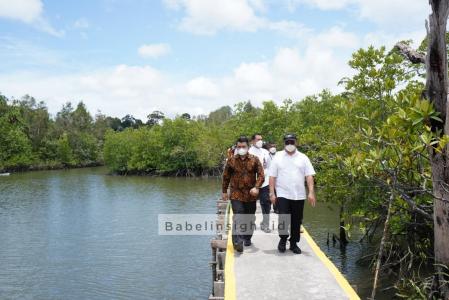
290 172
265 159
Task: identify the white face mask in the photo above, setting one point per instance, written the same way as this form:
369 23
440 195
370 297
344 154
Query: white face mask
259 144
272 150
242 151
290 148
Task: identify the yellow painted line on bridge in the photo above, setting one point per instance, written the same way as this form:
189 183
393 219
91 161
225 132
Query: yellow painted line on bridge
230 290
344 284
229 293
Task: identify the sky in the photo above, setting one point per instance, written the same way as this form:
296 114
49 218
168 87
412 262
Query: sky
190 56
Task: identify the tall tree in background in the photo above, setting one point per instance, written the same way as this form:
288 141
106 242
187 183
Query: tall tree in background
186 116
129 121
155 118
220 115
81 118
35 118
63 119
436 92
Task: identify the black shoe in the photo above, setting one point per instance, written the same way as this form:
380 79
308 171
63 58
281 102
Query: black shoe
281 245
295 249
238 247
247 243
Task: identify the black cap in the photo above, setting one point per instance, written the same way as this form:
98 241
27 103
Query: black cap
289 136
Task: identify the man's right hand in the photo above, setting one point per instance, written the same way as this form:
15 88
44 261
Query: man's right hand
273 199
224 196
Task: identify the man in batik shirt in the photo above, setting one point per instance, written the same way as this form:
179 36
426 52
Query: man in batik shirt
245 175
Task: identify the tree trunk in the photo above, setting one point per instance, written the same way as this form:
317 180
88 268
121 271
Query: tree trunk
343 239
382 246
436 92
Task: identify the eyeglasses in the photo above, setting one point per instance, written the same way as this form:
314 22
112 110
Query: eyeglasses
289 142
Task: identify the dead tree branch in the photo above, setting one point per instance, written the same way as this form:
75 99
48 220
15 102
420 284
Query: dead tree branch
411 54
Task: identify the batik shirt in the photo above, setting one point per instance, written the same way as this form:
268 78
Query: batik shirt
242 175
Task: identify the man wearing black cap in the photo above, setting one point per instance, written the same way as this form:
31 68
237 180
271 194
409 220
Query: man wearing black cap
289 171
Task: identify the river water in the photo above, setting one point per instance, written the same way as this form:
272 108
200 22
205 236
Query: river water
84 234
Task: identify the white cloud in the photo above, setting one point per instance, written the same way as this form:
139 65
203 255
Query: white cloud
336 37
407 14
288 28
404 14
317 62
118 90
154 50
202 87
81 23
43 25
396 20
173 4
321 4
254 77
259 5
123 80
206 17
209 16
17 53
294 73
290 73
29 12
389 39
23 10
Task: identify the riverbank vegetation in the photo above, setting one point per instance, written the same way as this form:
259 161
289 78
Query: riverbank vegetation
371 145
31 139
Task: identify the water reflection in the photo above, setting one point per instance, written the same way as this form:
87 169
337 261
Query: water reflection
78 234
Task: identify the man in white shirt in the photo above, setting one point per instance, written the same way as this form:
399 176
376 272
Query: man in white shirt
289 170
271 147
264 193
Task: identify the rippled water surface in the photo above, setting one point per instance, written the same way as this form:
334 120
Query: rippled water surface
83 234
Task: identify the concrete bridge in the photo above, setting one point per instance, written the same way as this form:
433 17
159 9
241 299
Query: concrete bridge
261 272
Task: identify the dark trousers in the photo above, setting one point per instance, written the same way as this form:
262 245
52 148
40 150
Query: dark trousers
265 205
243 220
290 217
